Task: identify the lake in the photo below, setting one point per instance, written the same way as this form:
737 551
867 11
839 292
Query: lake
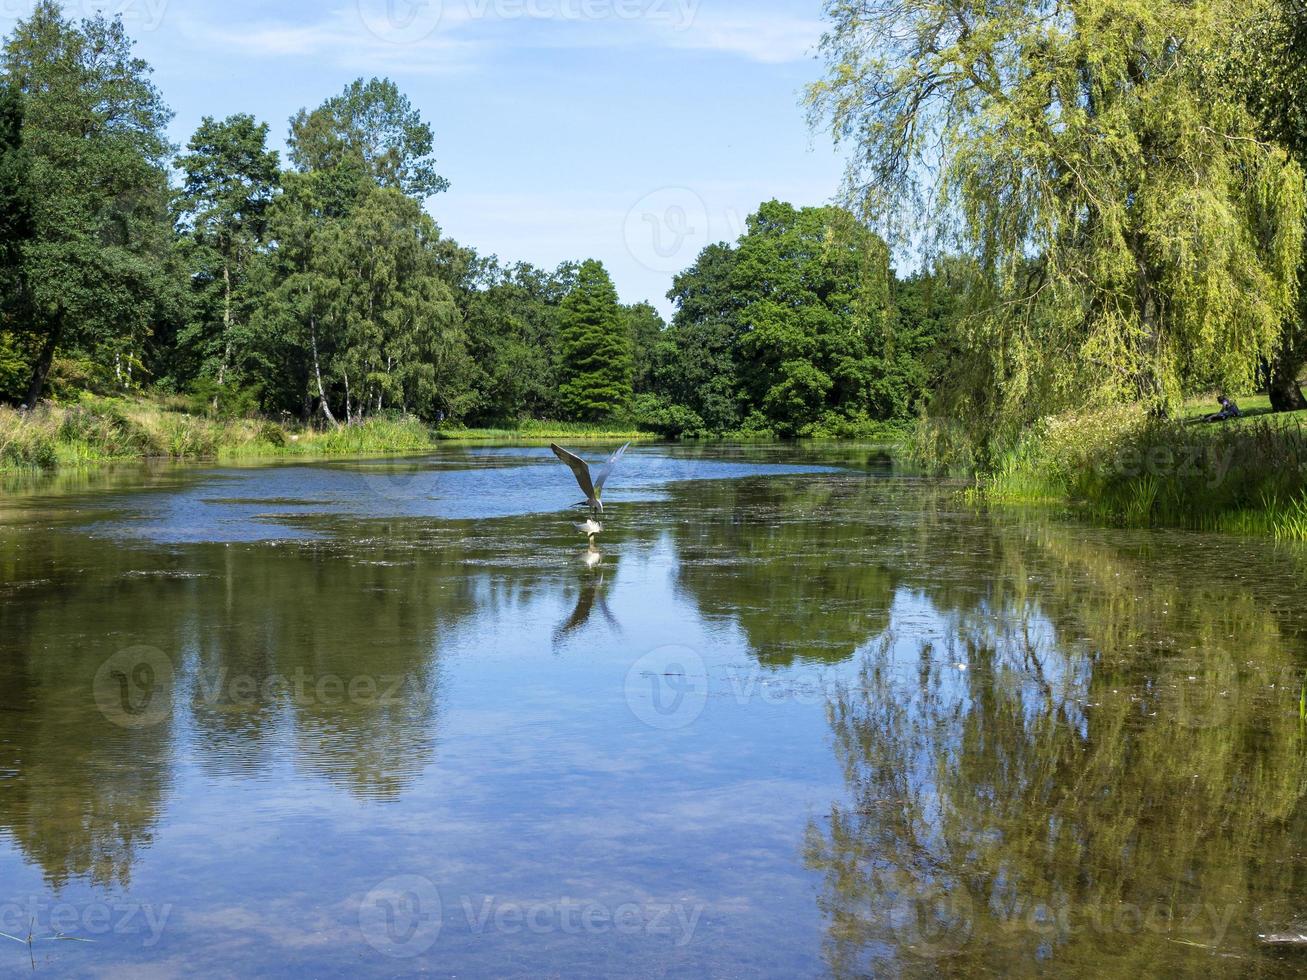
797 716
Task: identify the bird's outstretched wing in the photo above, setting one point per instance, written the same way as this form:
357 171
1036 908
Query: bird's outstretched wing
579 467
606 470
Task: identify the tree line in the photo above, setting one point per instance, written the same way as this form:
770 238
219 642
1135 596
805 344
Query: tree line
1108 195
320 287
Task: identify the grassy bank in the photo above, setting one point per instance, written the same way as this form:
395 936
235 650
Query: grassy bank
96 430
531 429
1247 475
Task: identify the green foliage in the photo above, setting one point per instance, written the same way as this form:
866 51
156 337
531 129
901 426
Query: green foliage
230 177
389 313
792 330
383 434
1135 239
646 328
368 133
511 325
15 232
695 360
327 289
96 428
1123 467
654 413
594 348
26 440
1117 221
815 317
1267 68
95 270
543 430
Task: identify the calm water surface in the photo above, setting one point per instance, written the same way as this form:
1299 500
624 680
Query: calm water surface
797 717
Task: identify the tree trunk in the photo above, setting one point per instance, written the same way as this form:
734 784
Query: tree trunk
317 372
1283 388
1148 385
226 330
41 370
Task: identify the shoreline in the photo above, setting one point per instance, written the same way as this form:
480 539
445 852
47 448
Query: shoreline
97 431
1245 476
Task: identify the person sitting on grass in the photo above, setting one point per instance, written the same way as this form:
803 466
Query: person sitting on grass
1229 410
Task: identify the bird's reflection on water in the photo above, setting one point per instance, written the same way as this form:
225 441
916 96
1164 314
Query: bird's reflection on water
591 595
380 699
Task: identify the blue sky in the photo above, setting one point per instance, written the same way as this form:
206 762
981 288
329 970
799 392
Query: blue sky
633 131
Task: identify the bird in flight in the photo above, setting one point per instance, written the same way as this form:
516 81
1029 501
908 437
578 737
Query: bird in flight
592 485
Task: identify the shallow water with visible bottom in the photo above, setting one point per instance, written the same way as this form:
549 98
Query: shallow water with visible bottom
794 716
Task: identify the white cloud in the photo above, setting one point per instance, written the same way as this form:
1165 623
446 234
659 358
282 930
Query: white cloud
772 40
343 37
435 37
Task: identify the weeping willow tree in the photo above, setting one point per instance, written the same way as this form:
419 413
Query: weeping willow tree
1268 66
1134 236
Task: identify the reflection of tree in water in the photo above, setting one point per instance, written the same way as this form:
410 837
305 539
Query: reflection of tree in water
1113 756
68 799
337 639
81 795
778 557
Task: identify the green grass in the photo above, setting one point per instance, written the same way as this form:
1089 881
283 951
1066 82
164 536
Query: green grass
100 430
1253 407
1245 476
532 429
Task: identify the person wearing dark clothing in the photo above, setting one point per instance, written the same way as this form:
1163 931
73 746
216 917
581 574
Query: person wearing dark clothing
1229 410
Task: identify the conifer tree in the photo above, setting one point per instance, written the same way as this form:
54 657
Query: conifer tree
595 348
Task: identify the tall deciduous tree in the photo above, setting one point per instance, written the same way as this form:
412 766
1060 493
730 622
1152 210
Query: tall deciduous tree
815 343
1136 235
398 333
594 348
1268 64
697 355
646 327
15 231
229 177
95 268
511 318
369 132
361 307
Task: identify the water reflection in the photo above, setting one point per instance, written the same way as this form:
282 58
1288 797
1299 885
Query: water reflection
992 744
1112 785
773 547
590 595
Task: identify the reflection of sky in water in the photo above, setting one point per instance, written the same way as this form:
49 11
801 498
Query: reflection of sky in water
257 504
516 767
